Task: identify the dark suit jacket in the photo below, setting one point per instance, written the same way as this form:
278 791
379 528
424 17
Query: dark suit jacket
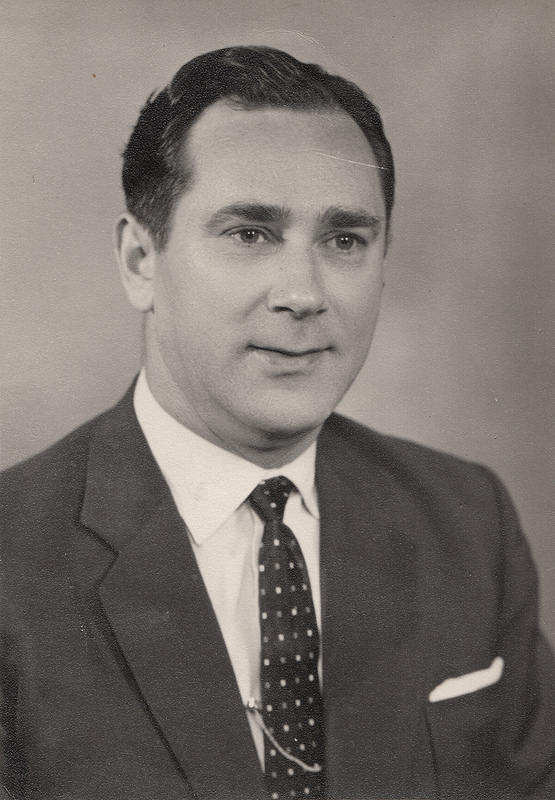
116 680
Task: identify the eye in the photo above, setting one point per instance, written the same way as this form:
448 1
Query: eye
249 236
346 242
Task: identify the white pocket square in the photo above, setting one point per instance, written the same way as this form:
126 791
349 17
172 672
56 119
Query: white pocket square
471 682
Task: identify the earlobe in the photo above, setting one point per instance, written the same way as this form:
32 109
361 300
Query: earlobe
136 254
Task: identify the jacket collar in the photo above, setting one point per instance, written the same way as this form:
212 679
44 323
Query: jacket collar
161 614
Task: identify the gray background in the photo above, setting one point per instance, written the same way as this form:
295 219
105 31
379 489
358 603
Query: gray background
464 353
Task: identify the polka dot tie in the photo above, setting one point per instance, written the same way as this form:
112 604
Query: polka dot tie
292 709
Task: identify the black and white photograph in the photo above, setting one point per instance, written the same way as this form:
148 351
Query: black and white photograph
277 400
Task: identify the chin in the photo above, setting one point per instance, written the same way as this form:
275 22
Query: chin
291 420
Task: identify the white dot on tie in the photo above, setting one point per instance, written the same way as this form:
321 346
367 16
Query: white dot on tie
310 699
276 566
281 637
266 662
302 747
290 770
304 587
297 703
297 657
295 635
297 679
309 632
286 728
276 542
273 505
272 753
264 615
291 565
294 612
311 677
311 655
265 639
267 684
283 682
274 774
293 588
311 722
279 614
306 790
284 705
282 660
263 592
275 796
278 590
269 708
261 568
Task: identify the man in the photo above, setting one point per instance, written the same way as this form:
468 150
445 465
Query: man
220 589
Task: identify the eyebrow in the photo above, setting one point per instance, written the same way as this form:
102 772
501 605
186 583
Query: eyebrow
249 212
338 217
333 217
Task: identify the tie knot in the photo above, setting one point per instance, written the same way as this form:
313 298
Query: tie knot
269 498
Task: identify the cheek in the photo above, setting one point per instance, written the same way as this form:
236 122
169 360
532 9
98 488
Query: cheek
359 307
201 322
207 289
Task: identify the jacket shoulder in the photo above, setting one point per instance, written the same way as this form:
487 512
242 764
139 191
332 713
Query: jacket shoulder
45 492
365 441
453 507
360 451
56 464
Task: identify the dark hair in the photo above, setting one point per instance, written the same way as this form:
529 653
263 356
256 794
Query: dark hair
155 173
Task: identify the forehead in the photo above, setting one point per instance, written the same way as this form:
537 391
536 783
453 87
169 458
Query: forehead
282 155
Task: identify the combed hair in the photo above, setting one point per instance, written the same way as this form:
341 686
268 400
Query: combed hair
155 168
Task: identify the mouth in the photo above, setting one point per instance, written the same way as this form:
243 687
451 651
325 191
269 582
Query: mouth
292 359
285 352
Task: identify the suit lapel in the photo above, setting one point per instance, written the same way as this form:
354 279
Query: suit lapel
375 742
162 617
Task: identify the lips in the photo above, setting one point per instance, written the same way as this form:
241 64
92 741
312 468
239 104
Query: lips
291 353
287 359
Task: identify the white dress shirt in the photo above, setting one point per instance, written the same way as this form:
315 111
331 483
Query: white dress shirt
210 487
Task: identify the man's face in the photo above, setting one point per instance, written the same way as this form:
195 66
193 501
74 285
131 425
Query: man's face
267 294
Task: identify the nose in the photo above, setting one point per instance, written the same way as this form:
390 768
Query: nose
298 286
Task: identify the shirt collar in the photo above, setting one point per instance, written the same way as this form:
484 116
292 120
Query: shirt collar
208 483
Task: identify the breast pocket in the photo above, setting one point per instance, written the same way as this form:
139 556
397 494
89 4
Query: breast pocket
465 738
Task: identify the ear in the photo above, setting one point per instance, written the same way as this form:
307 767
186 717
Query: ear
136 257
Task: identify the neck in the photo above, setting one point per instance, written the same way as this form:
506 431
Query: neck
267 449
